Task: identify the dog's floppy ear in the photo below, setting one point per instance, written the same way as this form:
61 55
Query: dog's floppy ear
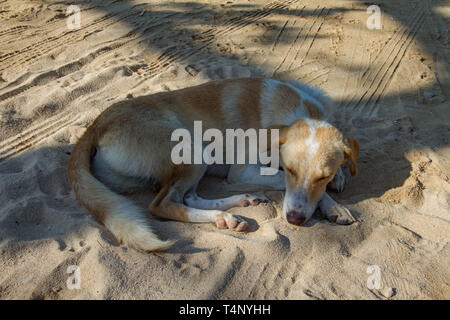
351 151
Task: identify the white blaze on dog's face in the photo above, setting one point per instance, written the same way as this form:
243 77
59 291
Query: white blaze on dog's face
311 153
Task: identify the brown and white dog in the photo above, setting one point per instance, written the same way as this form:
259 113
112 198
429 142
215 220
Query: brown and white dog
129 145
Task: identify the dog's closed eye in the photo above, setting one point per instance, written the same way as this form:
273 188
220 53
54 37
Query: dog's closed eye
323 178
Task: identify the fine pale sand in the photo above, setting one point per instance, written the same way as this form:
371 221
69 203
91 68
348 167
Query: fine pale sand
391 91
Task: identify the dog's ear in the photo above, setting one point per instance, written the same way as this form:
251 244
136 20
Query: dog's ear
351 151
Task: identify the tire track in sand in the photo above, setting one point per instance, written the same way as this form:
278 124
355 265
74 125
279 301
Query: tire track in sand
374 81
36 50
206 38
35 134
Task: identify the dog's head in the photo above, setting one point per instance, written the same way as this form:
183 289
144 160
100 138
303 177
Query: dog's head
311 152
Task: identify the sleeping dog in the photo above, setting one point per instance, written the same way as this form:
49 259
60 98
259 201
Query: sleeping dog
129 145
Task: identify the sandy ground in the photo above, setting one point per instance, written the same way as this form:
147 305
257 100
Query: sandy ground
391 90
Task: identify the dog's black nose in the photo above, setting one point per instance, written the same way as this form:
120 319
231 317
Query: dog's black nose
294 217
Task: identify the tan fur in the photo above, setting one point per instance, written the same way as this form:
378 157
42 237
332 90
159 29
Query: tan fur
286 97
133 139
313 111
329 160
351 150
108 208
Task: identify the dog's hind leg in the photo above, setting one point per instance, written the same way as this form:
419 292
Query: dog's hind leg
169 204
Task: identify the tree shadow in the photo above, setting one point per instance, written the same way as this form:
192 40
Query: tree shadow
174 33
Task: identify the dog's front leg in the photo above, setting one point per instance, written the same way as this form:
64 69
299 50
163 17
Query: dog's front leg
251 174
241 200
338 182
334 211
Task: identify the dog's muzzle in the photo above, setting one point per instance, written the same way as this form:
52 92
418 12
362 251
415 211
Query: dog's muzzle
295 218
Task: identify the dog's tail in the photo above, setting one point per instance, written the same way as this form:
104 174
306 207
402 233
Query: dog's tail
118 214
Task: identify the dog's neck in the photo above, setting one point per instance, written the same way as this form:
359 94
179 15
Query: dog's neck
293 102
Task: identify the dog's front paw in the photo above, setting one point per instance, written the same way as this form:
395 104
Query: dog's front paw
251 200
338 182
339 214
232 222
